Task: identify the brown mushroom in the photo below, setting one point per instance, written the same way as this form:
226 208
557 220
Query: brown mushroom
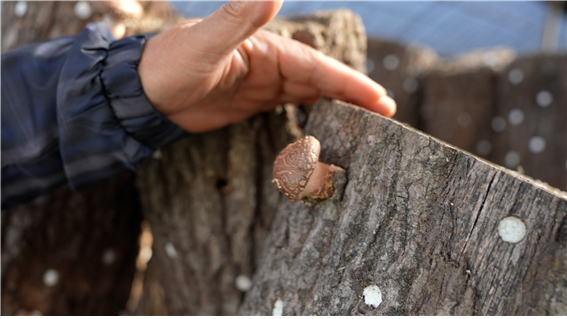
298 172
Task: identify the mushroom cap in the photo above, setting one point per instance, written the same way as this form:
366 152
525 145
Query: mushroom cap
294 166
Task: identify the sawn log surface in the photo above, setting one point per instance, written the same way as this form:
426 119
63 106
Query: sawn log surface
418 218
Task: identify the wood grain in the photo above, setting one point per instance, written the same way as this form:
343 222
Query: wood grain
418 218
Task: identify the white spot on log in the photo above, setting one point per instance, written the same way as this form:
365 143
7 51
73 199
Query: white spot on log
537 144
83 10
145 254
464 119
170 250
516 117
370 66
372 296
243 283
544 98
410 85
391 62
515 76
50 278
512 159
20 8
108 257
468 271
278 308
511 229
483 147
157 155
498 124
390 93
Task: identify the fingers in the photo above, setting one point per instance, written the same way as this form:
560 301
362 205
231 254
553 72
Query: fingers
301 64
225 29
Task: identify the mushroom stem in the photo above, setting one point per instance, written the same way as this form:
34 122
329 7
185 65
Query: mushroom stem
320 184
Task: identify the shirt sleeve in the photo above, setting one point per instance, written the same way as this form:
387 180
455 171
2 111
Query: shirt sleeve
74 111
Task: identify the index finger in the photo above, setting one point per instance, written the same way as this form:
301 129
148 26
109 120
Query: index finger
301 64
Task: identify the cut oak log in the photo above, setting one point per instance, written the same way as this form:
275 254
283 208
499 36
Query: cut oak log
419 219
210 200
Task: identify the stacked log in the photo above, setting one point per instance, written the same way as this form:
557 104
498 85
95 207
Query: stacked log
418 218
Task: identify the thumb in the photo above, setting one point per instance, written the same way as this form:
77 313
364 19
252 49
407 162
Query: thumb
231 24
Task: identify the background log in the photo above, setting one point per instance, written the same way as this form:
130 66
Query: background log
459 99
532 102
209 198
399 68
418 218
72 253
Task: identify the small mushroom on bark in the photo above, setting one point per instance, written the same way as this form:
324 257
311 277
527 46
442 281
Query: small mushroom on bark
298 172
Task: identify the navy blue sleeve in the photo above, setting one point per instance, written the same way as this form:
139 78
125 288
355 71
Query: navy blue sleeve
74 111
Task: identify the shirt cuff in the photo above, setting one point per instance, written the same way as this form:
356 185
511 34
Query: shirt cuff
106 124
126 96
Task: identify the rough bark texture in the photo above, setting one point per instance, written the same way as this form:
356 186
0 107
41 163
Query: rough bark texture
89 238
418 218
209 198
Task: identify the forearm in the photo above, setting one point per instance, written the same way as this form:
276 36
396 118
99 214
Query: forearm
73 111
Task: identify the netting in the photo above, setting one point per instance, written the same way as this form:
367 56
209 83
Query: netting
448 27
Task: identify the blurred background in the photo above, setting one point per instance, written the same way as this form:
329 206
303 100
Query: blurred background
448 27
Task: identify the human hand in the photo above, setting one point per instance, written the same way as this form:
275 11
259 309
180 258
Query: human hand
207 74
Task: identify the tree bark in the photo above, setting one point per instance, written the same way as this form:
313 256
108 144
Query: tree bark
419 219
209 198
72 253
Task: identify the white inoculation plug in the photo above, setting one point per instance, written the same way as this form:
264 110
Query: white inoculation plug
372 296
278 308
51 277
512 229
243 283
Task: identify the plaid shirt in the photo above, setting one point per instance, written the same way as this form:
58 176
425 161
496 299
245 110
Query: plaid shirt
74 111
